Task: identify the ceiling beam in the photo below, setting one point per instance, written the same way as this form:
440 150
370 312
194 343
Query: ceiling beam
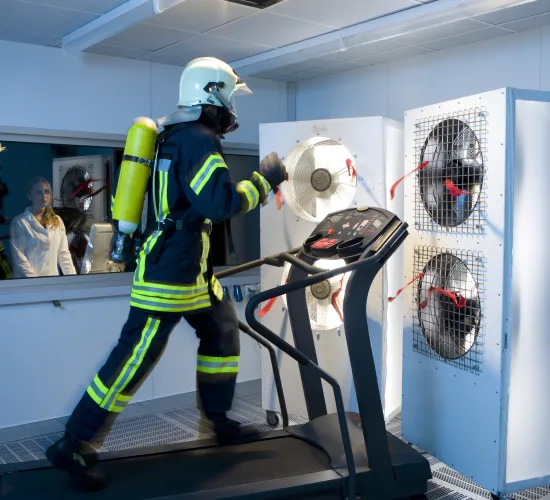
415 19
113 22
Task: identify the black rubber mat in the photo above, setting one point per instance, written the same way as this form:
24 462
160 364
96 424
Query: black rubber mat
170 473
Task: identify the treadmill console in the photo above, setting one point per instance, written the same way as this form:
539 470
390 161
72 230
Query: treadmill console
348 233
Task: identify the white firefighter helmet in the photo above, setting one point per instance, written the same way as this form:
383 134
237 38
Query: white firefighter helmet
209 81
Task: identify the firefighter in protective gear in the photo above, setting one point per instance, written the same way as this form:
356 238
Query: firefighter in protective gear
190 187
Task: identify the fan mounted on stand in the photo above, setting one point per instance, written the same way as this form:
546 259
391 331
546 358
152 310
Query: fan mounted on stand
325 300
451 183
322 178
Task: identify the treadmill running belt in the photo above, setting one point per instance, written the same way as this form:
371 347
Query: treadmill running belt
177 472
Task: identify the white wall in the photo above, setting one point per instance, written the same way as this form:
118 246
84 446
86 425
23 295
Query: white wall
41 87
49 355
519 60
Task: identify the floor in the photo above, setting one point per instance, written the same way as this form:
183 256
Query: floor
175 419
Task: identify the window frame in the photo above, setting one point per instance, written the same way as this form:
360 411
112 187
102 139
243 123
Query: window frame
58 288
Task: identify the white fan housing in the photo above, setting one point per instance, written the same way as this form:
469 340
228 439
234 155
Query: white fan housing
374 145
324 313
484 410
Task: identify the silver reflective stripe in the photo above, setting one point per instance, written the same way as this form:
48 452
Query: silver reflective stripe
97 390
120 404
210 364
136 358
164 305
181 293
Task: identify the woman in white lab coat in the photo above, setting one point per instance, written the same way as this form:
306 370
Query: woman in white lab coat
38 239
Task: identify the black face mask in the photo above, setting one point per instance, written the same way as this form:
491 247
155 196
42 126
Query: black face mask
218 119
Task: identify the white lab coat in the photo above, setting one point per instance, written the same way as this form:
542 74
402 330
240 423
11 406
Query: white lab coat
38 251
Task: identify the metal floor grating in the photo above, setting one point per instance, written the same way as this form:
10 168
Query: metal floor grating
184 424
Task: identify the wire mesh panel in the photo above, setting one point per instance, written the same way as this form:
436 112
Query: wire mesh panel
448 306
451 163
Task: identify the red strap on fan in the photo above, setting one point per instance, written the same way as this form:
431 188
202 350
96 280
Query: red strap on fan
459 302
420 167
267 307
84 187
352 171
333 301
391 299
279 199
451 187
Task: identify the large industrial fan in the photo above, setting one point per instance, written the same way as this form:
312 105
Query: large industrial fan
451 182
449 306
325 300
321 178
476 376
332 165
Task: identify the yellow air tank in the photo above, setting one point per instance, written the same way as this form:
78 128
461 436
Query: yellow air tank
139 154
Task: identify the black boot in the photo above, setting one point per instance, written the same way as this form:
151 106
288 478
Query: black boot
229 431
65 455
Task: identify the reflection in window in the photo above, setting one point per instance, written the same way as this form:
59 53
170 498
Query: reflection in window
54 210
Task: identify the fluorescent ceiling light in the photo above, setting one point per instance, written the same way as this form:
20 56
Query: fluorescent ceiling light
391 26
113 22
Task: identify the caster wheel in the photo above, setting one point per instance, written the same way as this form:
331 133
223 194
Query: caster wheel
273 418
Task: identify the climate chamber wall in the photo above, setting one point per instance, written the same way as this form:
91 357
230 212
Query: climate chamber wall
375 147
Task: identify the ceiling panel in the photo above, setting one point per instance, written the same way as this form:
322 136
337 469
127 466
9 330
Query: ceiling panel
297 67
391 56
340 13
366 50
338 67
528 23
26 37
165 59
208 45
42 19
275 30
108 50
443 31
464 38
148 37
518 12
201 15
95 6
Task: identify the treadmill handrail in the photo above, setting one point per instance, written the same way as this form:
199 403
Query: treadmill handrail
340 409
252 264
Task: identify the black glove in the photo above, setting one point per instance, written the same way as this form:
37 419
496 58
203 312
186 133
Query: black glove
273 170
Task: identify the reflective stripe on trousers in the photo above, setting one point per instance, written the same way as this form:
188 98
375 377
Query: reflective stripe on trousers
113 399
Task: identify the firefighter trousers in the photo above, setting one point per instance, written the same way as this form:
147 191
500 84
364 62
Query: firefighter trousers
140 346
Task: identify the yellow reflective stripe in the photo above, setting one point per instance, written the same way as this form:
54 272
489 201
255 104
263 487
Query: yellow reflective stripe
97 390
124 399
217 288
112 203
264 183
94 396
164 210
251 193
158 291
147 247
203 175
210 364
133 363
156 304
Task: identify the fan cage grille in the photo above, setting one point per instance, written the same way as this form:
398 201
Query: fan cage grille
425 321
476 120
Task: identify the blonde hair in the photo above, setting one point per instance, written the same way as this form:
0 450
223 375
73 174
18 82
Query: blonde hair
49 217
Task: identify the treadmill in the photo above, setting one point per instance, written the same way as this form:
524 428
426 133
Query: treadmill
332 456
